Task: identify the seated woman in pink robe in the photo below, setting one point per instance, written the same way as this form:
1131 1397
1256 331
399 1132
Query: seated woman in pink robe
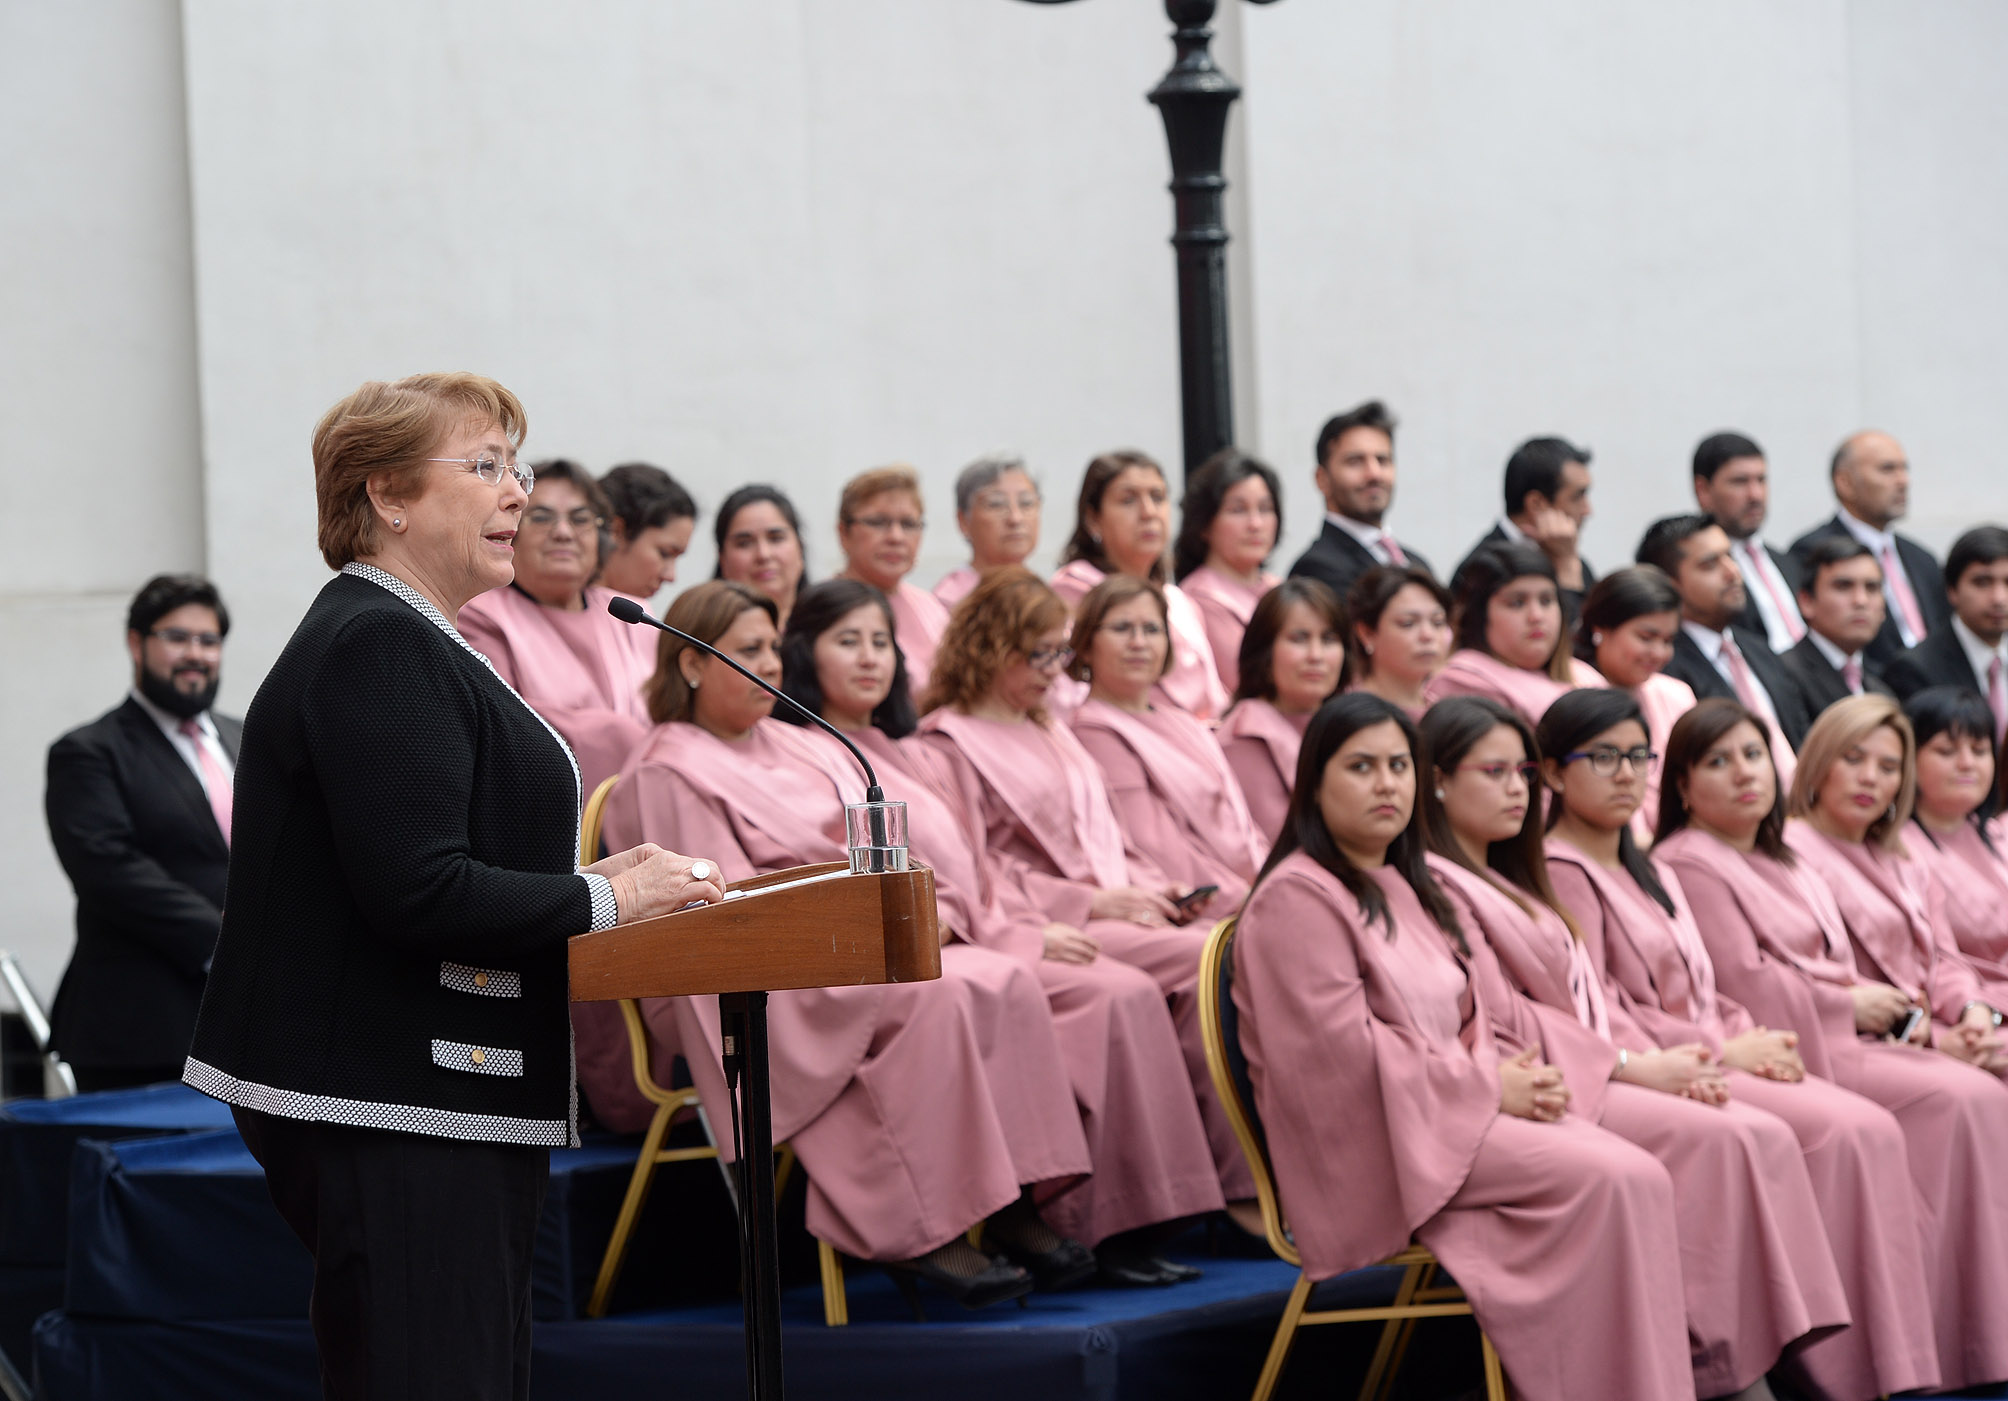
917 1109
1400 635
1956 764
1151 1161
1391 1114
1045 817
650 518
1630 618
1512 641
759 539
1635 917
549 634
879 521
1177 803
997 510
1123 526
1851 801
1777 943
1293 660
1229 520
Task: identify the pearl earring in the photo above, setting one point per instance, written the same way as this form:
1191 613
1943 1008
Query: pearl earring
1439 795
1596 639
397 523
1367 647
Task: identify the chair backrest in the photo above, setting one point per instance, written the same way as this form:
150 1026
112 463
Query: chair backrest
589 822
1220 1027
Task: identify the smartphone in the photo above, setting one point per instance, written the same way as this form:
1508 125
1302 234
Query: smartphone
1902 1031
1189 903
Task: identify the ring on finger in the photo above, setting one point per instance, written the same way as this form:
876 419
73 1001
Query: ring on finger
700 870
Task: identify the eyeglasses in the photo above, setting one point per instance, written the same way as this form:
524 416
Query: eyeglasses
1047 658
1604 759
543 517
998 504
491 470
181 637
879 525
1497 772
1150 632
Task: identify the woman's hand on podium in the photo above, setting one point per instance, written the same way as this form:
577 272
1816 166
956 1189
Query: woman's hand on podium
649 881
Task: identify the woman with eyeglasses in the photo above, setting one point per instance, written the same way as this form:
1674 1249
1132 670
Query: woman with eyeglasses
1044 812
1176 801
879 523
1779 946
549 634
1122 525
1955 786
997 510
1630 618
1391 1112
1512 638
759 539
1293 660
1852 1166
1229 521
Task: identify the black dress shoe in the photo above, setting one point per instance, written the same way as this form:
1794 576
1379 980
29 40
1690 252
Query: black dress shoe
1141 1272
1067 1263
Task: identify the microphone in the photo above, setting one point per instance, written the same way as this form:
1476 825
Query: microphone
876 829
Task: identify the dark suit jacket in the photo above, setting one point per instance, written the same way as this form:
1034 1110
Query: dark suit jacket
1939 660
1336 558
1753 620
1820 681
1691 665
1927 580
1572 599
138 839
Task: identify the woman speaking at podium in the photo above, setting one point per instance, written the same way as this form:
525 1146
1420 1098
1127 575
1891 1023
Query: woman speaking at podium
387 1009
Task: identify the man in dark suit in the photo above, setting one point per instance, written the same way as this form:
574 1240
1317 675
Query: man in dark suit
1710 653
1871 479
1547 501
138 805
1972 649
1732 485
1355 475
1842 603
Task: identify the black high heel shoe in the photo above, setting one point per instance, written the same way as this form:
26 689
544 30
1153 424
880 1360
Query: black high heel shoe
1021 1235
973 1288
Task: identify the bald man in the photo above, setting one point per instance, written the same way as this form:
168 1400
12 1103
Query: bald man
1871 479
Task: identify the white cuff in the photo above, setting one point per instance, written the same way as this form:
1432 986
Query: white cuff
606 913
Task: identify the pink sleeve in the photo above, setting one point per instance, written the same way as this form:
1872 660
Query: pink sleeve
1151 836
655 804
1580 899
1055 898
1267 797
1953 981
1223 636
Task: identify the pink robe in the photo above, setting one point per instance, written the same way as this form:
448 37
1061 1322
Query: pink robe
1972 882
918 1109
1193 683
1261 745
1151 1159
581 671
1779 946
1047 825
955 586
1759 1272
1375 1074
1179 807
919 619
1528 693
1853 1148
1664 699
1225 605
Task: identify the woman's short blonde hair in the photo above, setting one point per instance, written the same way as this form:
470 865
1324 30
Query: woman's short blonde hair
1842 726
387 430
1093 610
876 482
989 630
707 612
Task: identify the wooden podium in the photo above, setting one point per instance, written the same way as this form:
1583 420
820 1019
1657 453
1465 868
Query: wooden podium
811 926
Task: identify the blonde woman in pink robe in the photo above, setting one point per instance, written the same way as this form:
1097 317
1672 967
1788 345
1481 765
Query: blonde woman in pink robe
1512 644
549 634
879 523
1955 776
1630 618
919 1109
1123 526
997 510
1777 943
1177 803
1152 1164
1229 520
1400 637
1296 661
1390 1114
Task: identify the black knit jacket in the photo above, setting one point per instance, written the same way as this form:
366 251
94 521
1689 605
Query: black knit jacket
402 883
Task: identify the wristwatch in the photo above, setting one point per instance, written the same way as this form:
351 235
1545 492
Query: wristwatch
1992 1011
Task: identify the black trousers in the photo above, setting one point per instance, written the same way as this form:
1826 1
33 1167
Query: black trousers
92 1078
422 1250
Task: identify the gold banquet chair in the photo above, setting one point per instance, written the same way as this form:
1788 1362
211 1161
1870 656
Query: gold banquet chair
668 1105
1418 1296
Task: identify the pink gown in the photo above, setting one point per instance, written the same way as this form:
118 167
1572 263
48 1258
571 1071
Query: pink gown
1972 881
582 671
1261 745
1528 693
1176 801
1193 683
1757 1260
1853 1148
1778 945
1664 699
1051 834
918 1109
919 619
955 586
1151 1159
1377 1081
1225 605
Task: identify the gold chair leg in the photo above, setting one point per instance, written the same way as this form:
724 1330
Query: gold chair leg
836 1307
1286 1333
1393 1339
783 1165
1495 1375
631 1205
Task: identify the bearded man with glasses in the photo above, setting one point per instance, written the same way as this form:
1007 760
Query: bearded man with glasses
138 805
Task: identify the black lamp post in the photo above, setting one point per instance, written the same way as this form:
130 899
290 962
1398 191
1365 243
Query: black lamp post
1194 97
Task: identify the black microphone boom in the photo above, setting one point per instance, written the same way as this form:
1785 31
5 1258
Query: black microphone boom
628 611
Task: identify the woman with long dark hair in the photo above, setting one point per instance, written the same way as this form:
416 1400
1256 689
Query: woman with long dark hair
759 539
1229 521
1293 660
1512 637
1630 618
1391 1113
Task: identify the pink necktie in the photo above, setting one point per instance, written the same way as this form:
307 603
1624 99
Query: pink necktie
214 780
1754 700
1906 601
1786 612
1851 672
1997 699
1394 554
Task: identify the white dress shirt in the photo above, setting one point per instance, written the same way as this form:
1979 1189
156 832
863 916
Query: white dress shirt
1768 587
1882 544
1711 644
1369 536
170 725
1979 655
1837 659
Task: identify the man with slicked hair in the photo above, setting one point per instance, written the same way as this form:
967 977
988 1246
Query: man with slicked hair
1355 476
1732 486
